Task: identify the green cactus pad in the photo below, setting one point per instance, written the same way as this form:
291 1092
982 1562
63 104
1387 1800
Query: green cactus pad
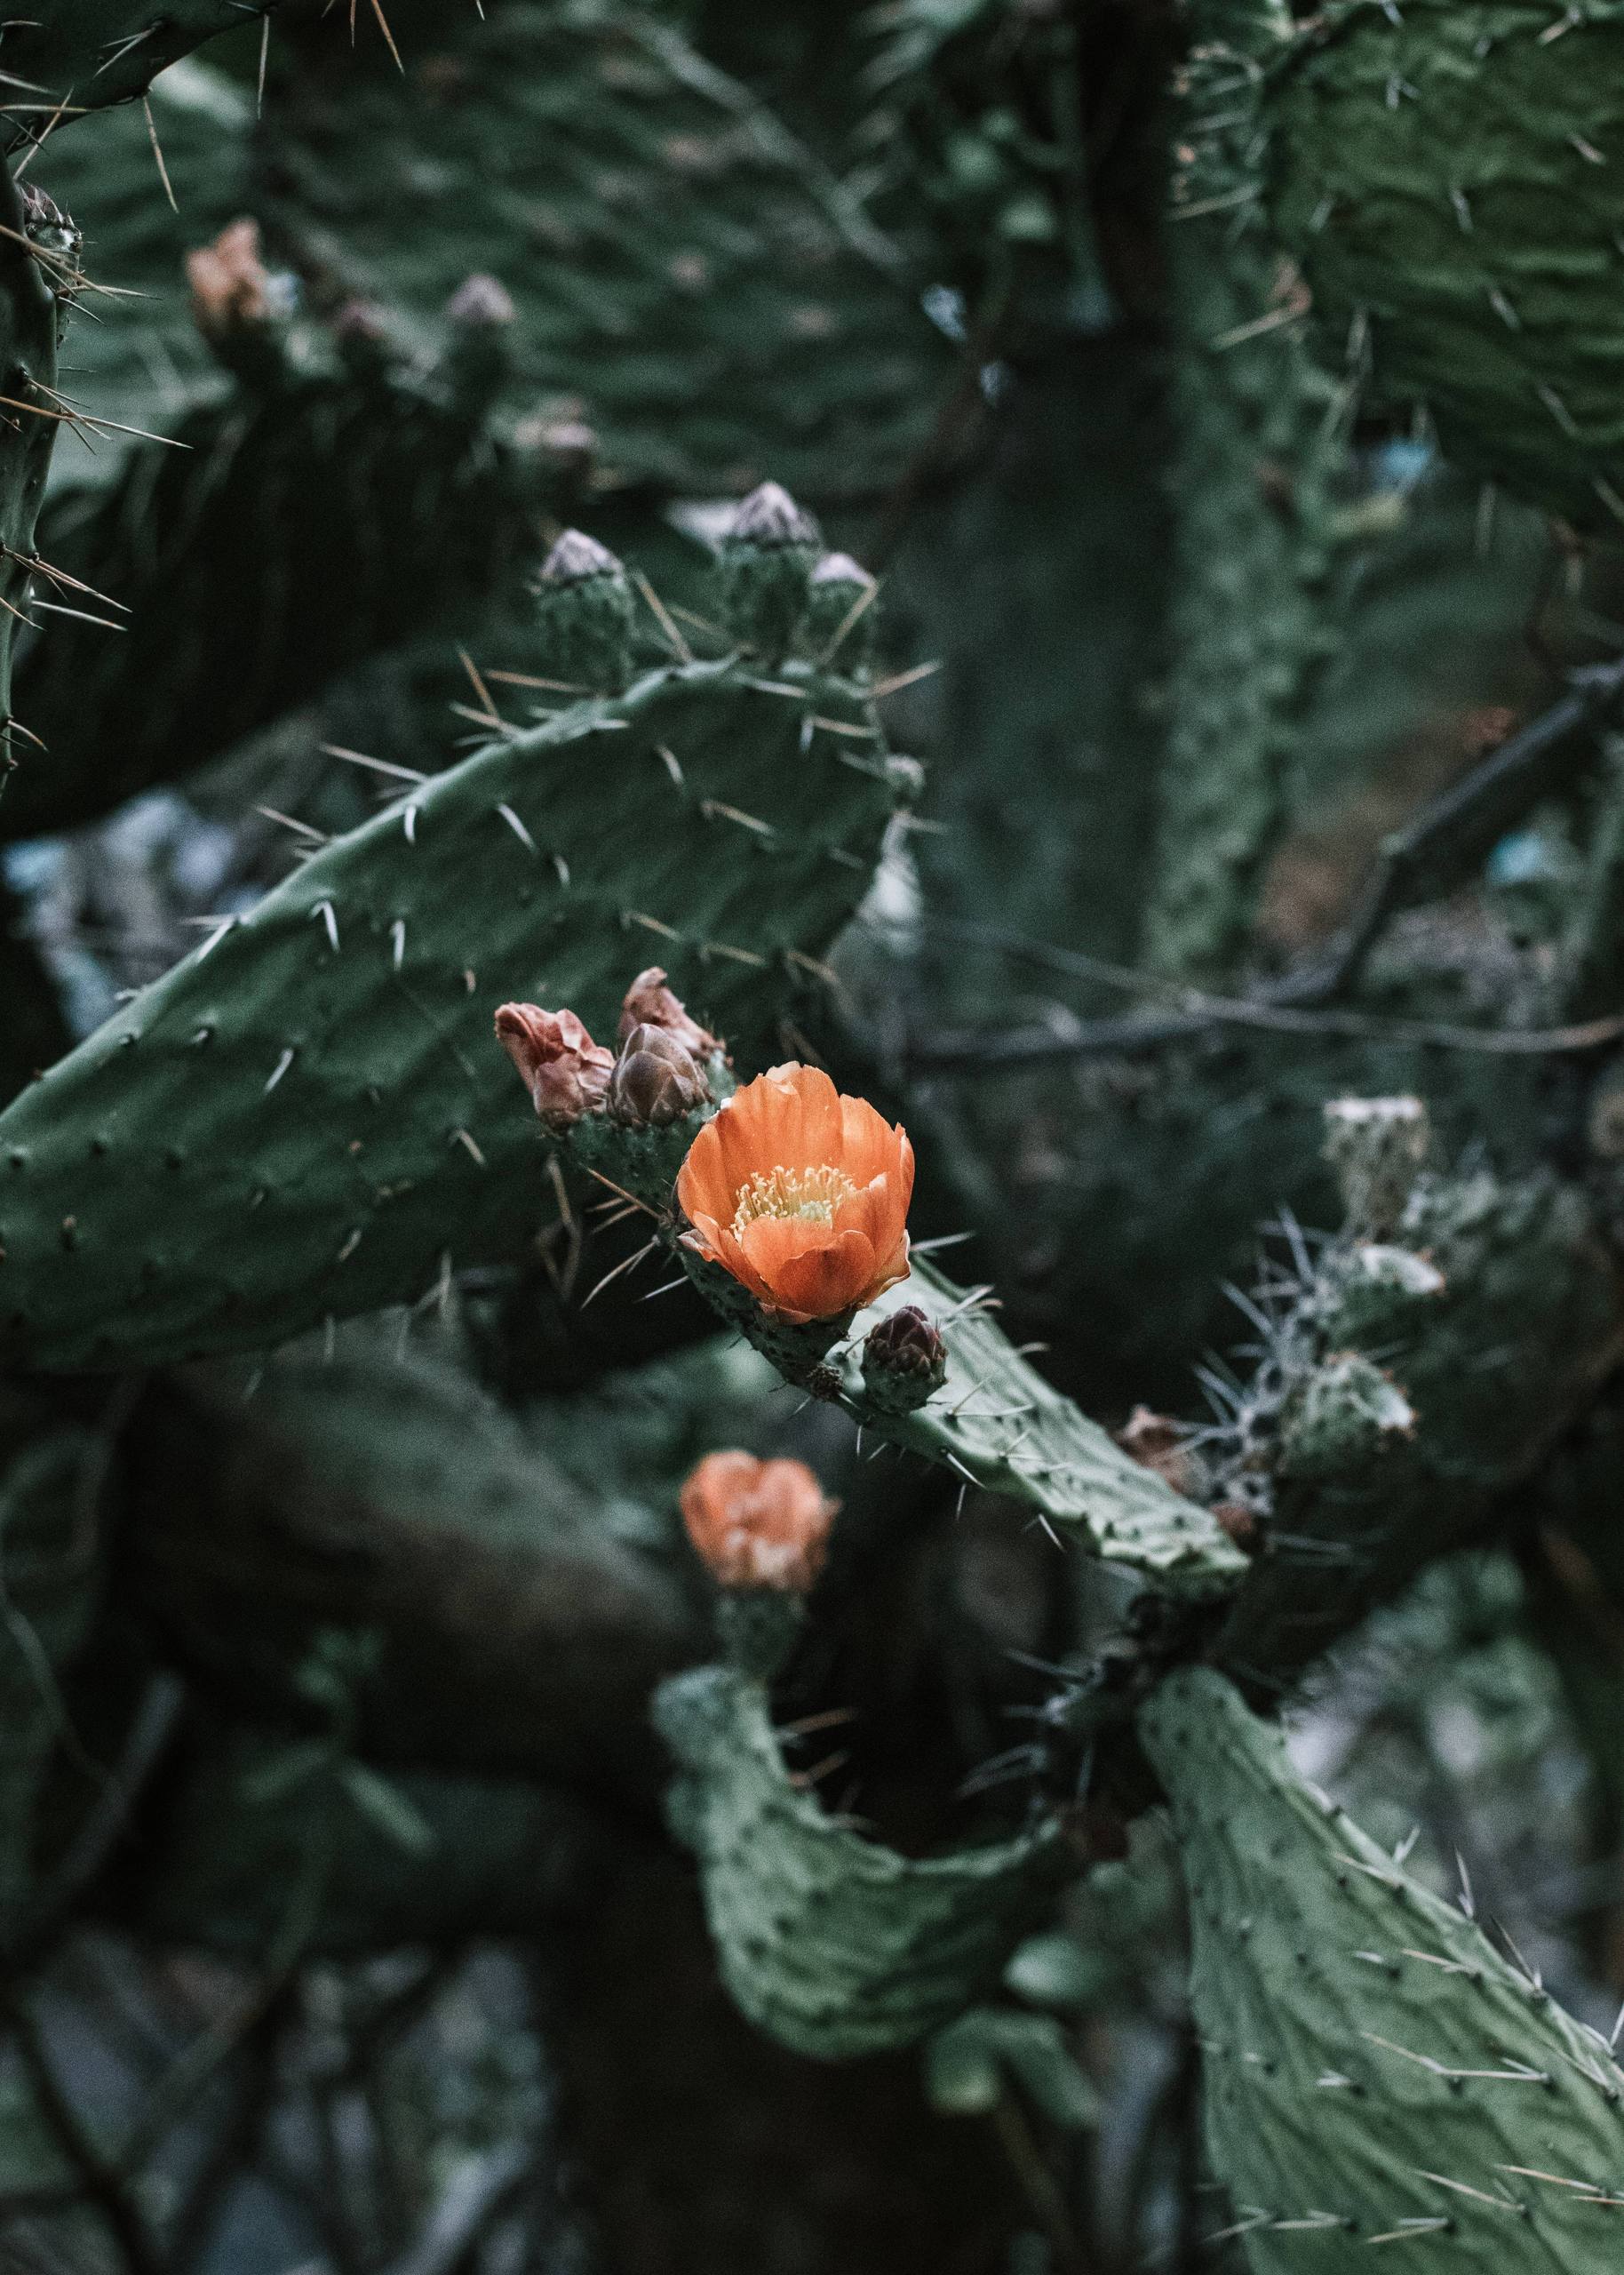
1001 1425
1375 2073
282 541
91 54
141 362
1262 436
1448 172
309 1115
689 282
831 1944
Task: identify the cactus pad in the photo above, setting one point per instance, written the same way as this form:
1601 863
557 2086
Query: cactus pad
307 1116
1448 175
1375 2073
831 1944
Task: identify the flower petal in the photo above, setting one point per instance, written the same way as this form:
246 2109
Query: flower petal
702 1182
770 1242
824 1281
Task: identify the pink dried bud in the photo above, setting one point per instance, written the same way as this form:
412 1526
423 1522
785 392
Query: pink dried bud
757 1524
656 1080
651 1004
566 1073
904 1360
230 286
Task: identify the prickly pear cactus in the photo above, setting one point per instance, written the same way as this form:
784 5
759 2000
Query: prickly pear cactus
72 56
1261 435
987 1414
306 1118
141 363
248 564
690 284
39 275
1448 174
830 1943
1375 2072
999 1424
1415 1376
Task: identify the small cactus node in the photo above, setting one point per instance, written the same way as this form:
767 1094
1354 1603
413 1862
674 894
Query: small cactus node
481 301
904 1360
800 1194
566 1073
840 611
585 615
769 516
651 1004
656 1080
767 561
757 1524
1377 1149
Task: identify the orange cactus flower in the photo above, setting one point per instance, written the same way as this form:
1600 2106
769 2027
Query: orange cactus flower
757 1524
801 1193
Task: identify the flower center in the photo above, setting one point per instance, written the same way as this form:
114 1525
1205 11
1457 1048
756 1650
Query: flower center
811 1195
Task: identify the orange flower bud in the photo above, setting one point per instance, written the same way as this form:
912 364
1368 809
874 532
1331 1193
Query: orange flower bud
800 1193
565 1071
757 1524
651 1004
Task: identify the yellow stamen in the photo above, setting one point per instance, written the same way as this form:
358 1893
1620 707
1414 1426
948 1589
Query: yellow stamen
814 1194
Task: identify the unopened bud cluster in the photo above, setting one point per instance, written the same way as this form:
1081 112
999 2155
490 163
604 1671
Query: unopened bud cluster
658 1076
905 1359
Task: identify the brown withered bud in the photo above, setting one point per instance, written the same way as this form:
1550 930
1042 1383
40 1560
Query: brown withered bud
656 1080
904 1360
651 1004
1156 1442
229 282
566 1073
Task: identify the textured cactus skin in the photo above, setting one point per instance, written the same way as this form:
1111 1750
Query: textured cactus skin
142 362
1373 2067
254 563
51 1577
288 1127
1449 174
93 53
997 1420
685 241
1260 435
36 263
831 1944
